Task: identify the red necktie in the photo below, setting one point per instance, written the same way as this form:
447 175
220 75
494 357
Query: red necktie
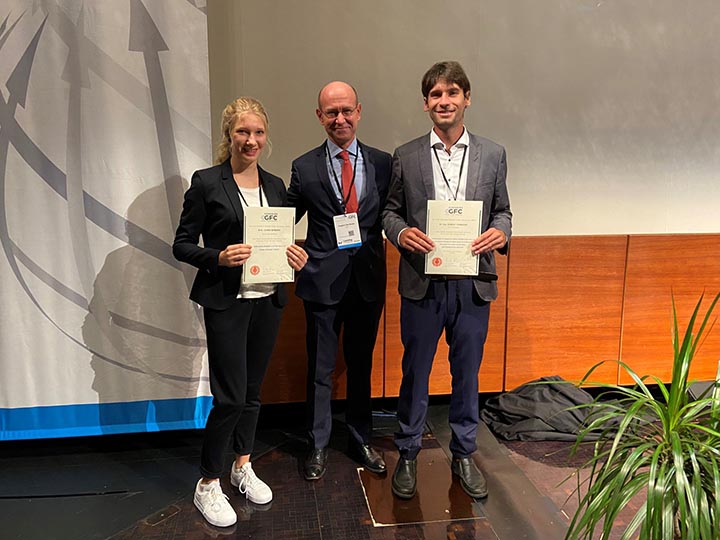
347 184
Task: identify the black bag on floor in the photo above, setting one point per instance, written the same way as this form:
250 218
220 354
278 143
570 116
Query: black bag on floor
542 410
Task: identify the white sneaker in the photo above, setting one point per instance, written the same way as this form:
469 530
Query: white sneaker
213 504
248 483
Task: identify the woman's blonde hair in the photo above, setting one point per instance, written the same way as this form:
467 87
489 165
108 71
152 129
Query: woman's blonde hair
230 114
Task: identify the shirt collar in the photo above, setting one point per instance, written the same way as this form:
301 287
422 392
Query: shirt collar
435 141
334 149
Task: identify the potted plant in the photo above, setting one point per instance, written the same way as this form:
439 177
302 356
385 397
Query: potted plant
662 443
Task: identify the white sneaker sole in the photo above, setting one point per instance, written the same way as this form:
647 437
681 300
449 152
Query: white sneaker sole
211 521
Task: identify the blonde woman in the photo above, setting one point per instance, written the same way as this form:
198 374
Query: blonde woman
241 321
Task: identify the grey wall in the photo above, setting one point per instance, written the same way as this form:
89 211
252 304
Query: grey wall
608 109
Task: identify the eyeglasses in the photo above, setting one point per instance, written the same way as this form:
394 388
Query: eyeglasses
332 114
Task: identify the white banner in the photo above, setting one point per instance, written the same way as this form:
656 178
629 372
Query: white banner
104 114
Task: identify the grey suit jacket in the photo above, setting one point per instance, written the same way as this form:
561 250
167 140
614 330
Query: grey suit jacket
412 186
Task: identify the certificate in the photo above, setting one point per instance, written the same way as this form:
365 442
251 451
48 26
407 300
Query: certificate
452 226
269 230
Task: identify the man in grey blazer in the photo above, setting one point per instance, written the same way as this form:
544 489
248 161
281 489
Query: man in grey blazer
449 163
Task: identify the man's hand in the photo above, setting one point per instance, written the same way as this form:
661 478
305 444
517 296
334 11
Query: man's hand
296 256
234 255
415 241
488 241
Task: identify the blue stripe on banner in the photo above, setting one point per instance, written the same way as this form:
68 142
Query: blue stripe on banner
104 418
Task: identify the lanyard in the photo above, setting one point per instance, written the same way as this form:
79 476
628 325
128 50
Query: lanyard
260 192
343 199
447 183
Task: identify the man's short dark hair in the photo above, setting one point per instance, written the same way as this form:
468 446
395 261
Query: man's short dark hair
449 71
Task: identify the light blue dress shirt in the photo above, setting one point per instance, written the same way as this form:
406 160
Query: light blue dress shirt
335 163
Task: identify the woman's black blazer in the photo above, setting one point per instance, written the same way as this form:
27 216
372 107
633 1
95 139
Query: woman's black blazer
212 210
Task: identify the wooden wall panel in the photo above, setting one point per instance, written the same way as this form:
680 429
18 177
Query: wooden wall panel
491 370
393 345
564 307
378 369
660 267
285 378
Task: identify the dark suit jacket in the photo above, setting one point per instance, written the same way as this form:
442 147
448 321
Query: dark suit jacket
327 273
212 209
412 186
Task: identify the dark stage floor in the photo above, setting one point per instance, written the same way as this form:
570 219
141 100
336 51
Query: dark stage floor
140 487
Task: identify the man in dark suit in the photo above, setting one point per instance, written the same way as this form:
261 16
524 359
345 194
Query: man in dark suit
342 186
449 164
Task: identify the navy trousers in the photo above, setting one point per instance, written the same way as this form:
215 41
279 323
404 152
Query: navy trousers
359 322
455 307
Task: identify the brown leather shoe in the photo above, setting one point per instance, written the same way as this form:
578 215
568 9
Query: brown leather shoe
471 479
367 456
315 464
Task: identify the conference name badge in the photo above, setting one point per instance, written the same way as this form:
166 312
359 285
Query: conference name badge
347 230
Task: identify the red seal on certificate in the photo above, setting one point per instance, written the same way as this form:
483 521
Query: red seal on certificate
437 261
255 270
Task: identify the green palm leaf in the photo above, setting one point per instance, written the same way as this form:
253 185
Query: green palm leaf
664 445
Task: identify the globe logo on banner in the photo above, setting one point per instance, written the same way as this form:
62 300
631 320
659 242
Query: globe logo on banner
94 143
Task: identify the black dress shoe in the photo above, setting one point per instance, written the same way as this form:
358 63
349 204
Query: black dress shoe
404 480
315 464
367 456
471 479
